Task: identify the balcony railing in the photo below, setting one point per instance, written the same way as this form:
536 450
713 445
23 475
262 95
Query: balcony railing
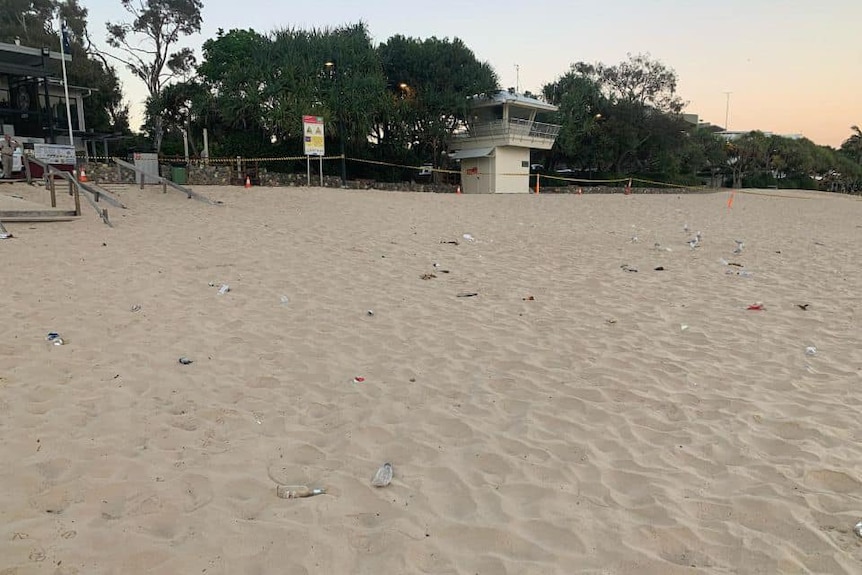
515 127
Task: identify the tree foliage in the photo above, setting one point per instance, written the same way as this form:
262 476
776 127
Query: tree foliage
148 44
621 118
430 82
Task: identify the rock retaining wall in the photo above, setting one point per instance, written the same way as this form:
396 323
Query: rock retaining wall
222 175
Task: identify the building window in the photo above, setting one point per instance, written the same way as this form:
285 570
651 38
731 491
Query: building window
58 111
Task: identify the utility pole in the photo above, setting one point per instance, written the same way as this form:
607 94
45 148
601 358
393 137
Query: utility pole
517 78
727 112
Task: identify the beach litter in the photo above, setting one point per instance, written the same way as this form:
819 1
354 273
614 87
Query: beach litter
810 351
758 306
186 361
468 294
427 276
469 238
695 241
528 298
739 246
803 306
383 477
223 289
297 491
369 312
6 236
659 269
358 379
135 308
453 242
284 300
54 338
857 529
628 268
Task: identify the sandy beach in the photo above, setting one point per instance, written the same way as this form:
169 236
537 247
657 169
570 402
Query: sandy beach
575 416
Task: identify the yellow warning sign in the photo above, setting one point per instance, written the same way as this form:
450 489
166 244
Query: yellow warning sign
312 128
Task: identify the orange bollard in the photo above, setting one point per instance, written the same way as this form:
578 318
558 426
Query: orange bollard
730 200
247 182
458 189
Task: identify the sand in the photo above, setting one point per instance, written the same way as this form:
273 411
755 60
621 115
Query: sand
573 417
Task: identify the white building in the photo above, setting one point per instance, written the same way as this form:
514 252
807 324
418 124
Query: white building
495 149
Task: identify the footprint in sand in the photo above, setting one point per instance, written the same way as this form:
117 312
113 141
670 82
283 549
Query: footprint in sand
197 492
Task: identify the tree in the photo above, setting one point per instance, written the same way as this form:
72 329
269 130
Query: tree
641 129
747 156
582 112
704 153
852 146
439 76
158 24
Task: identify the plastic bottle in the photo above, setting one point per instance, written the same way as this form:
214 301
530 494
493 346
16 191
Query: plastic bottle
297 491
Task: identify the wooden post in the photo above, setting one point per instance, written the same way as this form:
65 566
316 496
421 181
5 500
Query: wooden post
26 160
50 183
77 200
141 175
164 187
71 185
97 195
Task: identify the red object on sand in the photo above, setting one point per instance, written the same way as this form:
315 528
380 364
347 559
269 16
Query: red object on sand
358 379
756 307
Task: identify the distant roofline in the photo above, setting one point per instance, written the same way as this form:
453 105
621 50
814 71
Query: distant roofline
29 51
512 98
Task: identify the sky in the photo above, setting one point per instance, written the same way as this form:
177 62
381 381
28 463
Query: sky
791 66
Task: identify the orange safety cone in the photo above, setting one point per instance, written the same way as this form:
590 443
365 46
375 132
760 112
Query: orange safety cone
730 200
247 182
82 175
458 189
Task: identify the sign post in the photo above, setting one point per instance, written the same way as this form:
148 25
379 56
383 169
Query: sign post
313 141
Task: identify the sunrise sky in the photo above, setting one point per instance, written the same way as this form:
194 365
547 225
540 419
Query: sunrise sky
793 66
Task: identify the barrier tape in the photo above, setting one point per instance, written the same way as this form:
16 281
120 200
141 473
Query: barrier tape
391 164
404 166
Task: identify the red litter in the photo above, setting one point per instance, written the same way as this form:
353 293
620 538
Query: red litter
757 307
358 379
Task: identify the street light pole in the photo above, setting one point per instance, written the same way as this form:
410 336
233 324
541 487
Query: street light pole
727 112
333 65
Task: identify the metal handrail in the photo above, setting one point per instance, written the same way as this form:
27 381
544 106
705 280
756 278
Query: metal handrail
514 127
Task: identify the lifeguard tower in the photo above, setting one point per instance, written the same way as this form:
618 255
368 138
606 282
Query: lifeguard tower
495 148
